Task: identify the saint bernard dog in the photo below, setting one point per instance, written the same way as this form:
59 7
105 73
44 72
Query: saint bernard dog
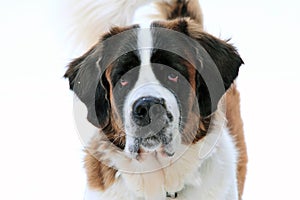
163 96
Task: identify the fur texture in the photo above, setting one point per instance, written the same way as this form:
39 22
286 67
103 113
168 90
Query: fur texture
196 170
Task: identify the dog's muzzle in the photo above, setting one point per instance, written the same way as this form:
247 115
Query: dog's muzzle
152 118
147 109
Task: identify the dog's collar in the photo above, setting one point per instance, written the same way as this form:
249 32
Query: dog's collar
172 195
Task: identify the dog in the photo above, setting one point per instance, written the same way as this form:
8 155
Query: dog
162 93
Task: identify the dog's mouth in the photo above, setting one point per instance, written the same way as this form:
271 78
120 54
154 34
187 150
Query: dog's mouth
160 142
151 122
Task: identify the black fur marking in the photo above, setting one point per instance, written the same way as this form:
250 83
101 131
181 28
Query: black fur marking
84 79
124 68
225 57
215 60
165 63
87 73
227 61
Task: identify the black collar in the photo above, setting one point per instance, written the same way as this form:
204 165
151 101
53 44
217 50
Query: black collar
172 195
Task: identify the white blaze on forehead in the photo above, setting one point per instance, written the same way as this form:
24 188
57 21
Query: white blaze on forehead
145 46
147 85
145 42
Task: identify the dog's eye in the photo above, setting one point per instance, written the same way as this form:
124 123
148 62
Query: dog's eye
173 77
123 82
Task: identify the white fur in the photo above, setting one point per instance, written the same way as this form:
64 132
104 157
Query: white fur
148 85
145 45
91 18
209 178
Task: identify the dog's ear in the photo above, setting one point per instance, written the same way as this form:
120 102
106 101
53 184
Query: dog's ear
220 64
90 85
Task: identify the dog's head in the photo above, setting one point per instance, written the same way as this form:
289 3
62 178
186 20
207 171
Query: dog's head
149 89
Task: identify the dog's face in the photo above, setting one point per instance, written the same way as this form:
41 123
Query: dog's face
152 89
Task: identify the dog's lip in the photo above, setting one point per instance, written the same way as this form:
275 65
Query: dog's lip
154 143
150 137
151 142
161 150
143 152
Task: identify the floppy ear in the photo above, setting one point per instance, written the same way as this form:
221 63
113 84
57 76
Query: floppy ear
91 87
218 71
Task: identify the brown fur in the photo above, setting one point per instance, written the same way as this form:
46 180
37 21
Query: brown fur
116 30
232 105
181 8
117 134
235 125
99 175
195 122
192 124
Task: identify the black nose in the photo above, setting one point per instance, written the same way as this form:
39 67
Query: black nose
146 109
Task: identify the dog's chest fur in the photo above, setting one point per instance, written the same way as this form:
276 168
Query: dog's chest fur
200 173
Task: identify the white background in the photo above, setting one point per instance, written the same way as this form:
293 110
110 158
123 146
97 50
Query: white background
40 152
